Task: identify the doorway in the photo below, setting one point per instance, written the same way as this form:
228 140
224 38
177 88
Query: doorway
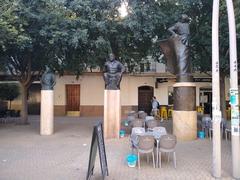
34 99
206 100
145 94
72 97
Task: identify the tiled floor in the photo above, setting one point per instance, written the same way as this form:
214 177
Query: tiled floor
25 155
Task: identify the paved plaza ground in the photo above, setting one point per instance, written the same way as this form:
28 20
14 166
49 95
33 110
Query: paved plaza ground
25 155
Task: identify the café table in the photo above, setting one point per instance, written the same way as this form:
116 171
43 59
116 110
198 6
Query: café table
156 132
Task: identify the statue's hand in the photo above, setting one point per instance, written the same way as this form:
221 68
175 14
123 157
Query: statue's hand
175 35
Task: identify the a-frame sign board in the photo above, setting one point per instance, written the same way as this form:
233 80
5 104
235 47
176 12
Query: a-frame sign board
97 143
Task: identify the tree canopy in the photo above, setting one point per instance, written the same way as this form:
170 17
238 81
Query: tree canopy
75 35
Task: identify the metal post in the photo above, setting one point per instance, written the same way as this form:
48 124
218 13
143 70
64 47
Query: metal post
216 171
234 91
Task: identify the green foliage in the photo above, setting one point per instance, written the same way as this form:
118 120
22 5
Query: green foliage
72 35
9 92
30 29
200 12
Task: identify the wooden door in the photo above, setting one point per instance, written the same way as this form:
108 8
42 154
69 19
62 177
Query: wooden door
145 94
73 97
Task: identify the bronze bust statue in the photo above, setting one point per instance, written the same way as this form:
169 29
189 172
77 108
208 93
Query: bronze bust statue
176 50
48 79
113 71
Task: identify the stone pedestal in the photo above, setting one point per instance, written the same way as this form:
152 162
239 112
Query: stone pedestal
112 113
184 111
185 125
47 112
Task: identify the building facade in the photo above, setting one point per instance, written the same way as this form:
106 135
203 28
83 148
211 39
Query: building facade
84 96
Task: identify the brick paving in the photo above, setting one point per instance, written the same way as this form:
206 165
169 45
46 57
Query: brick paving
25 155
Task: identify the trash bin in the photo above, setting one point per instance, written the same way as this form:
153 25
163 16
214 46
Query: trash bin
201 134
122 133
131 160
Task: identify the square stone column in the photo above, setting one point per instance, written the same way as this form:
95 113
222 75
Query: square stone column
47 112
185 125
112 113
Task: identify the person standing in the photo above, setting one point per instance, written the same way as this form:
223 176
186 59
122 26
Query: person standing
155 106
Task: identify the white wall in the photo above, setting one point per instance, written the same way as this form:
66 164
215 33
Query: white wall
161 92
129 88
92 89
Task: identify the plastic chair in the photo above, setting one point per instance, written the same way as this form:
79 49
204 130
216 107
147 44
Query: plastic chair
228 112
227 130
151 124
149 118
170 110
223 126
200 109
167 145
163 112
131 118
142 114
145 146
206 124
133 113
137 123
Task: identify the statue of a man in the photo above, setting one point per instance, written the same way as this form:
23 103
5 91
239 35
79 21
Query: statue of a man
176 50
181 29
113 71
48 80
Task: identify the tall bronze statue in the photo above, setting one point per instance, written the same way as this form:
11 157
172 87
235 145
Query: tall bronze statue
113 71
176 50
48 80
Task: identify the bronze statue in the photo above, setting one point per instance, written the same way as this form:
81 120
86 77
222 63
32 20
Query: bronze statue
176 50
113 71
48 79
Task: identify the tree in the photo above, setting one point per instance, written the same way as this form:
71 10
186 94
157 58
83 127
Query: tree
32 29
201 41
66 35
75 35
9 92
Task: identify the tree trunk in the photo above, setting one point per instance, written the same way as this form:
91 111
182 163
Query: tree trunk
222 95
24 108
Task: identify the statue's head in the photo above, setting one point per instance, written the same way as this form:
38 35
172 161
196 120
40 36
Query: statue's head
184 18
111 56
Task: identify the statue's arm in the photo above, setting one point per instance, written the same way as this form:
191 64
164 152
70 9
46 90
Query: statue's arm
173 29
122 68
42 80
105 67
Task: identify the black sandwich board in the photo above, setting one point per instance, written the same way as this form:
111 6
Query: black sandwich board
97 143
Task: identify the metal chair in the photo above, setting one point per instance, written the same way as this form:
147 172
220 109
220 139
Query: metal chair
145 146
167 145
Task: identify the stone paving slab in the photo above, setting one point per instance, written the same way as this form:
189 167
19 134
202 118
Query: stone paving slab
25 155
